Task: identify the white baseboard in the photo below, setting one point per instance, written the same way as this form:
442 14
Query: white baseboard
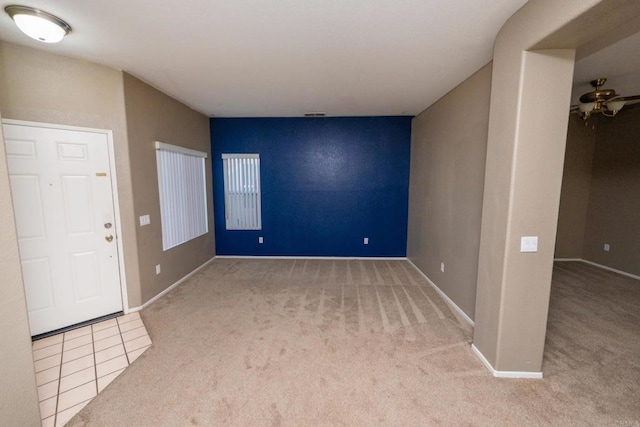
595 264
370 258
166 291
504 374
444 296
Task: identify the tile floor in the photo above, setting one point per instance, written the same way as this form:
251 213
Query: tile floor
73 367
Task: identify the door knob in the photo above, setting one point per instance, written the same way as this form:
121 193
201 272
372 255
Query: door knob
108 238
107 225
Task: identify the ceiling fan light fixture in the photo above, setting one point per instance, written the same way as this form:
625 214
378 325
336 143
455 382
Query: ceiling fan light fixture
615 106
605 101
587 107
38 24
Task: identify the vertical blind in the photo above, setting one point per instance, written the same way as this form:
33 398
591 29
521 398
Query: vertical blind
183 193
242 204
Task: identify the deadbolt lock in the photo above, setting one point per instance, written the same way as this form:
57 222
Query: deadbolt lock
107 225
108 238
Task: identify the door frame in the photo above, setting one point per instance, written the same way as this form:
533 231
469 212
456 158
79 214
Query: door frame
114 192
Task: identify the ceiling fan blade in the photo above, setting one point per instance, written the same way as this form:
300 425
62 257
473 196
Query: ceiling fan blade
626 98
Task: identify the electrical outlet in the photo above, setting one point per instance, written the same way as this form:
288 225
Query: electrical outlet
158 269
366 240
145 220
606 247
442 267
260 239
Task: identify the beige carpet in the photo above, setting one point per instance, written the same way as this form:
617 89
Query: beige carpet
322 342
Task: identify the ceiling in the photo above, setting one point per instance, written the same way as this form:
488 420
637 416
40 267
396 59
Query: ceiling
619 63
242 58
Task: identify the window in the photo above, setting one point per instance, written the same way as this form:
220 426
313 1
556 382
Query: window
242 204
183 194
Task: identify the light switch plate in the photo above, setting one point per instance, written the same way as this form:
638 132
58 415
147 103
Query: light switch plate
145 220
529 244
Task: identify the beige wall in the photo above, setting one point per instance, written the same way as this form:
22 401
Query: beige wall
153 116
614 203
600 200
522 192
42 87
448 154
530 93
576 182
18 396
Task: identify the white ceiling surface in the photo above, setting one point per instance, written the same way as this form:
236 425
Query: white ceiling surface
258 58
619 63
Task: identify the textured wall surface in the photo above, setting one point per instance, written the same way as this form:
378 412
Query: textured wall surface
613 215
18 395
153 116
326 184
521 197
448 152
47 88
600 200
530 94
576 184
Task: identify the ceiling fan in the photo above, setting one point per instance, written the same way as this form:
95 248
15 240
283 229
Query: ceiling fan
605 101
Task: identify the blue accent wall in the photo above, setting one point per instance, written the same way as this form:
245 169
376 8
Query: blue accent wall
326 184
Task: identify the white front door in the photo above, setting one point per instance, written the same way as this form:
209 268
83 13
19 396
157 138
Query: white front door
63 202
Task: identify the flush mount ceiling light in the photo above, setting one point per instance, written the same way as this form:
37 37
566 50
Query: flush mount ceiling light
38 24
605 101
